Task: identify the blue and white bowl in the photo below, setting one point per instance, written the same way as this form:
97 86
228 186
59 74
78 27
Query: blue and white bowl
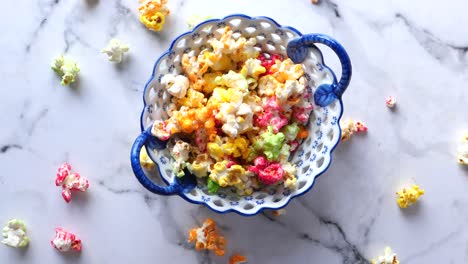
312 158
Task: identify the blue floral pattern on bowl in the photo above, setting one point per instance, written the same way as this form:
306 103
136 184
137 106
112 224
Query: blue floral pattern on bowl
312 157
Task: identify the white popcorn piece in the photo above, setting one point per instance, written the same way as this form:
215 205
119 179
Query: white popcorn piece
175 85
115 50
390 101
14 234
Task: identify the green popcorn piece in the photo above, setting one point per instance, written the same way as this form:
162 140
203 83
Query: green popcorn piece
65 67
14 234
272 144
290 131
213 186
195 19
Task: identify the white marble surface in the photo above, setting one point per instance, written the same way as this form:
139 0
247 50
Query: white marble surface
415 50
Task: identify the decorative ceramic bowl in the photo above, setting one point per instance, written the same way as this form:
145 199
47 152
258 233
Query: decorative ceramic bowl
312 158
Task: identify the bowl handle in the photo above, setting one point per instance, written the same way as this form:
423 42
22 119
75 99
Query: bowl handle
180 185
326 93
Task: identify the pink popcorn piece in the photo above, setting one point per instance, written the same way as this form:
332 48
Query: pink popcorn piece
70 181
65 241
360 127
269 173
390 101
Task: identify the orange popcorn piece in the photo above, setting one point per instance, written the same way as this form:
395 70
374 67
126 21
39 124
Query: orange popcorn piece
205 237
237 259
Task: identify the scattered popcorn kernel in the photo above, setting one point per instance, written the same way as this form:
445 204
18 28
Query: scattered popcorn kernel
237 259
14 234
206 238
70 181
390 101
314 1
349 127
279 212
153 13
145 160
388 258
408 196
65 241
462 152
195 19
66 68
115 50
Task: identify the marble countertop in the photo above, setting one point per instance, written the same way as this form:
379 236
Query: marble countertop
416 51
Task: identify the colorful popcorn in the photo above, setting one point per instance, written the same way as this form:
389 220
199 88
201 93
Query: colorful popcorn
237 259
232 107
408 196
66 68
14 234
349 127
206 238
115 50
462 152
388 258
279 212
153 13
390 101
65 241
196 19
70 181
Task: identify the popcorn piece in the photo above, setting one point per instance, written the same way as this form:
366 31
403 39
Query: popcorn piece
315 2
160 130
388 258
115 50
409 196
462 152
70 181
180 152
279 212
145 160
390 101
349 127
290 131
226 174
175 85
253 68
14 234
206 237
270 143
195 19
201 166
65 241
237 259
268 173
66 68
212 186
153 13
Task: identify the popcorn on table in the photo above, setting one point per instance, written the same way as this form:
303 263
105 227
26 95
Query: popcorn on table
349 127
67 68
279 212
408 196
206 237
462 152
237 259
153 13
65 241
115 50
196 19
390 101
14 234
70 181
388 258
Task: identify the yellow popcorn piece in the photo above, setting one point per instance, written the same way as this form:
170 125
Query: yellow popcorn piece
145 160
238 147
201 166
215 149
286 70
227 176
388 258
153 13
462 152
253 68
192 99
210 84
407 197
267 85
